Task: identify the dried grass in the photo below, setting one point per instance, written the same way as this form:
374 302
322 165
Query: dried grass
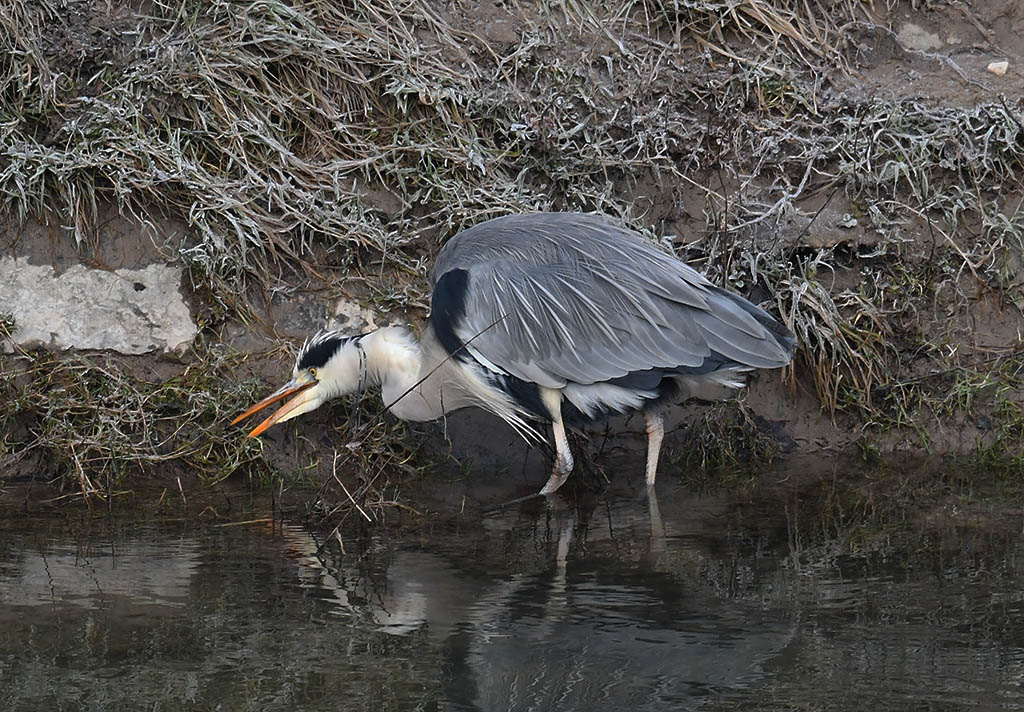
90 420
273 129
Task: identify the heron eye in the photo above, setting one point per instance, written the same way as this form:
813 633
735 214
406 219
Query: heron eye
312 372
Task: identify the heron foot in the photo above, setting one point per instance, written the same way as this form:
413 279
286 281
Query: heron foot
558 476
556 480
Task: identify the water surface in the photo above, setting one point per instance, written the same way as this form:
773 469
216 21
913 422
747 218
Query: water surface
605 603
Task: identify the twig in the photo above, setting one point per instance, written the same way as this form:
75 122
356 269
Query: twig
262 520
334 473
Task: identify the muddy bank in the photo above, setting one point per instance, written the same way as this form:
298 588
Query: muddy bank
855 173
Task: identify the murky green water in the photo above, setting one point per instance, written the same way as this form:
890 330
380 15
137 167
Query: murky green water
599 605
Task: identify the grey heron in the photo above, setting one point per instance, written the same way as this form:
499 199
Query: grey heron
558 317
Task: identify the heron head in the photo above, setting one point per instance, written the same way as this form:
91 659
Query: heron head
329 365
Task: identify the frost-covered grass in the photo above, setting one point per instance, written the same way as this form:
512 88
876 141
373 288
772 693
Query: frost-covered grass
343 140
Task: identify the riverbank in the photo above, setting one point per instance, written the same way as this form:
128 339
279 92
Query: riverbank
208 189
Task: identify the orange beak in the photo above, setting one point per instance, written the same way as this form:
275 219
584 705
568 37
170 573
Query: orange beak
298 387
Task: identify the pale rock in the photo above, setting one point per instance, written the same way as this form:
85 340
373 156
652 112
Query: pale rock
918 39
131 311
354 318
999 68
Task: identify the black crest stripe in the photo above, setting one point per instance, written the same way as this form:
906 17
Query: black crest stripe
319 352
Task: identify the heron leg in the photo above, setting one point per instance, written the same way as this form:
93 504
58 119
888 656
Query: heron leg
655 423
552 400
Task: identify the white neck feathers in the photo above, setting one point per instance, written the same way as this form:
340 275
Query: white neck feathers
395 360
420 381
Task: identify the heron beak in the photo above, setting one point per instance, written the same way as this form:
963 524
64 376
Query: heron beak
304 401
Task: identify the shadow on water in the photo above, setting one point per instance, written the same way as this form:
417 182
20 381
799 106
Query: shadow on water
607 602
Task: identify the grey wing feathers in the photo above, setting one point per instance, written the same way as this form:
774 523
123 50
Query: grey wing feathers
559 297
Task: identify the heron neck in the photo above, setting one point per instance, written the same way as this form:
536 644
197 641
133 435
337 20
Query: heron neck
411 384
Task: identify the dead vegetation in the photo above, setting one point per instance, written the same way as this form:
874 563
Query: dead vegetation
331 140
92 420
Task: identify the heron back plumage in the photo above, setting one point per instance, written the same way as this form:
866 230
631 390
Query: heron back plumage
566 299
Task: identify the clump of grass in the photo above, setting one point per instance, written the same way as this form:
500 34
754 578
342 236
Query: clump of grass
727 440
782 33
905 169
90 423
361 480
